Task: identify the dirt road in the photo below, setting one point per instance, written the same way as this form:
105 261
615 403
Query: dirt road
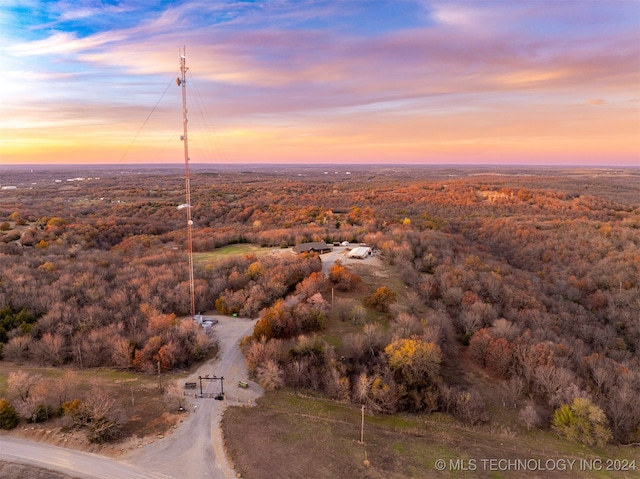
195 449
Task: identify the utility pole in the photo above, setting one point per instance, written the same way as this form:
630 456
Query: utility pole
362 427
182 81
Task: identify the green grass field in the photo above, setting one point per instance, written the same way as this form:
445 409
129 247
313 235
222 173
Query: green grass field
240 249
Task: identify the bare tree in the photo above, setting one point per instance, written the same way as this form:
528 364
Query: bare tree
23 391
503 328
530 417
406 325
551 379
375 338
107 417
361 388
469 407
355 346
49 350
174 395
270 375
623 408
20 383
514 389
121 352
18 349
296 372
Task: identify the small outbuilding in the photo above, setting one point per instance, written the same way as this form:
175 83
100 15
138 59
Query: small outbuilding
315 246
360 252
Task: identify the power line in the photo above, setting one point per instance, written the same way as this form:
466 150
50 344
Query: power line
145 122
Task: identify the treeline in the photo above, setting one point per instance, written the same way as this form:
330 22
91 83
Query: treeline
89 407
271 210
577 375
96 308
391 365
550 310
537 285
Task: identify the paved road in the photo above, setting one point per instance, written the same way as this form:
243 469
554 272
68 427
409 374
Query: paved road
195 448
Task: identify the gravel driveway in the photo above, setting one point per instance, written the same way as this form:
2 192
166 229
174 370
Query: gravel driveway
195 449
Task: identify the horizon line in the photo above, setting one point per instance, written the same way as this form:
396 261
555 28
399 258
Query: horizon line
312 165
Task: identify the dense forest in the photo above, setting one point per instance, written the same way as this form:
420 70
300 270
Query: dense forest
532 276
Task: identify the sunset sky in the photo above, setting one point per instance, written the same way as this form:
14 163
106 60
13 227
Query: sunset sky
349 81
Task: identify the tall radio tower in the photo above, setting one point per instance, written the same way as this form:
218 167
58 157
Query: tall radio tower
182 81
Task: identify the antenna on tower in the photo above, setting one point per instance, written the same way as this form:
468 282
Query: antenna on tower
182 82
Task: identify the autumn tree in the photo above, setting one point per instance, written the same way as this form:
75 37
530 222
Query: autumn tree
499 355
312 284
416 367
416 361
9 417
260 351
381 299
342 278
582 421
478 346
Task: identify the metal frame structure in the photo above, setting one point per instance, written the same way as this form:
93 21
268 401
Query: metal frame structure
220 395
182 82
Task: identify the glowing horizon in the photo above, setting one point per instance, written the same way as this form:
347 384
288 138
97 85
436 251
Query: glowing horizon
411 82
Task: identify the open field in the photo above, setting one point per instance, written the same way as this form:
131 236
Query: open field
290 436
241 249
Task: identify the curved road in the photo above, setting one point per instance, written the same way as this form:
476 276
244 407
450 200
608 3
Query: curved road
78 464
195 449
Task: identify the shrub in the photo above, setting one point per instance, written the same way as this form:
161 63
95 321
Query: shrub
103 429
40 414
582 421
381 299
9 417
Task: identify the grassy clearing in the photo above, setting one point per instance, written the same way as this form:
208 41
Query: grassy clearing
241 249
289 435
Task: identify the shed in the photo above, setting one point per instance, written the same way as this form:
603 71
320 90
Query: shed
360 252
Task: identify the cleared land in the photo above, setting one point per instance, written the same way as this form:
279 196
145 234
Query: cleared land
292 436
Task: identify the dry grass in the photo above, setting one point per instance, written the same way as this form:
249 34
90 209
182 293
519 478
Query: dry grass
291 436
148 411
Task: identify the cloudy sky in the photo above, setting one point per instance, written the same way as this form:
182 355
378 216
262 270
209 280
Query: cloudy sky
350 81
